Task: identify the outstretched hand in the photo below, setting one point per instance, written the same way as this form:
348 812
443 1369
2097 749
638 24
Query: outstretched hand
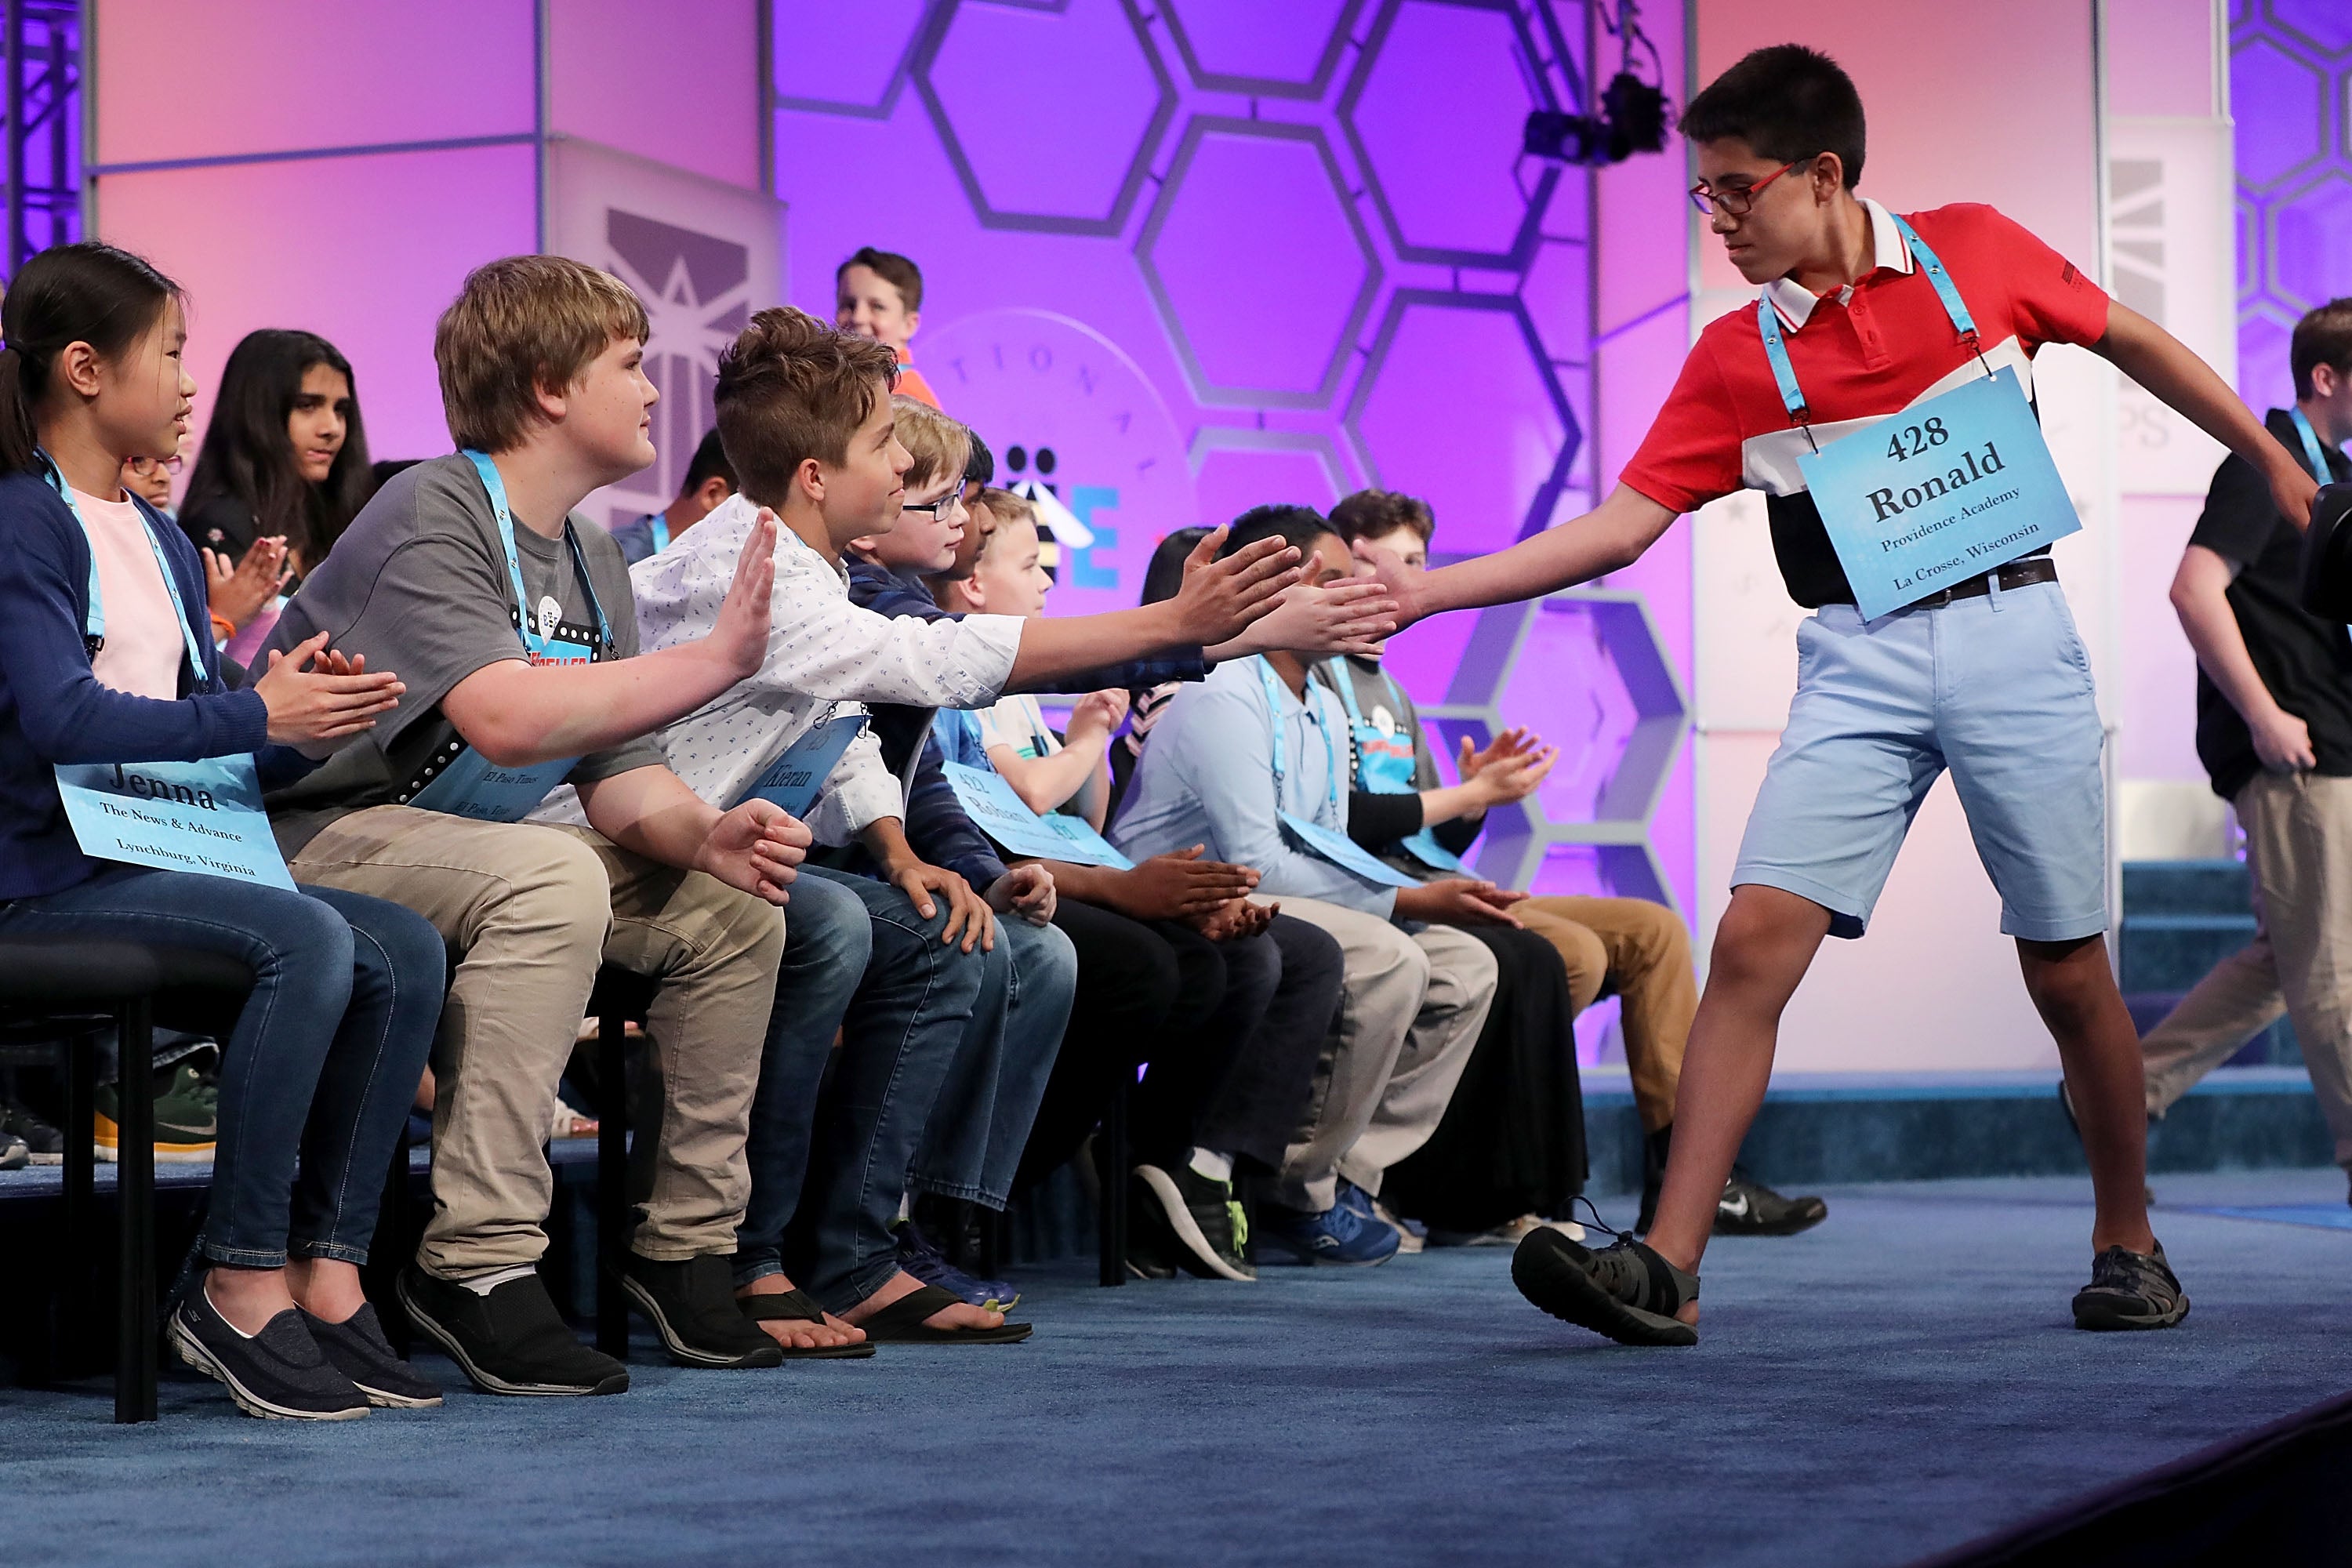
1218 598
2294 492
1510 767
1354 616
1399 583
739 636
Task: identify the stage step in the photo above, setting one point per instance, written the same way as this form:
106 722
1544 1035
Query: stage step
1825 1127
2180 918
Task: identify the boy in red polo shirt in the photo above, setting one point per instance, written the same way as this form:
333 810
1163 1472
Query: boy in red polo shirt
1878 397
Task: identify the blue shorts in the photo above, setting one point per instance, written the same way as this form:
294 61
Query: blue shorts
1997 688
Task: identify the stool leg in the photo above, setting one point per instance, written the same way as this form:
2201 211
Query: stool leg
389 1250
135 1194
612 1184
81 1200
1110 1245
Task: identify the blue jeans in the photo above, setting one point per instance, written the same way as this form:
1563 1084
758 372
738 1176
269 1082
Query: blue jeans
325 1056
972 1147
858 958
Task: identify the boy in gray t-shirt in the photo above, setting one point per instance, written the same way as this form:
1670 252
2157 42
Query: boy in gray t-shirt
517 624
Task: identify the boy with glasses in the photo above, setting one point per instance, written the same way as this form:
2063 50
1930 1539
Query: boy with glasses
1877 395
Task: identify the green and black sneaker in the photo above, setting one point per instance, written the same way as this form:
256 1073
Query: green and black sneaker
2130 1291
1625 1291
188 1119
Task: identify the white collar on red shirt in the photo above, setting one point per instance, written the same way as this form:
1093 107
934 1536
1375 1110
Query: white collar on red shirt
1795 303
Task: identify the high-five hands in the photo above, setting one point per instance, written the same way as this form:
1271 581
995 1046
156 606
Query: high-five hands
1218 598
739 636
1338 617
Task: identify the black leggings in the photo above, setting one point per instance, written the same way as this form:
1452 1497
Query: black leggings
1158 991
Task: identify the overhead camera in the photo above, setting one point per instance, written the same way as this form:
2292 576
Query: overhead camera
1631 115
1632 119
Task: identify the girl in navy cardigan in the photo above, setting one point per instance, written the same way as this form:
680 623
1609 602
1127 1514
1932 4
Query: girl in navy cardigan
110 690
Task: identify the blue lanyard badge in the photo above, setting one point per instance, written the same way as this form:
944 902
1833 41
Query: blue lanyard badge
1941 493
2313 452
204 816
793 779
998 810
1324 843
461 781
1384 765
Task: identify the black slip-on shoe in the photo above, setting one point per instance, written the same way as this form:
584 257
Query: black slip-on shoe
279 1374
1203 1216
2130 1291
511 1340
1748 1207
1625 1291
692 1306
360 1351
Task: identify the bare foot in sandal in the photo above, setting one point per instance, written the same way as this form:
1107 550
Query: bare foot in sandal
799 1334
903 1284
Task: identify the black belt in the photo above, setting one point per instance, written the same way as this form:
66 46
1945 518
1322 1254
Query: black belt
2016 574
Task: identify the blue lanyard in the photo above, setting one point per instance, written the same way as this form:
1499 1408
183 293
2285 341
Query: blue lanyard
2311 450
525 622
94 622
660 522
1274 691
1775 348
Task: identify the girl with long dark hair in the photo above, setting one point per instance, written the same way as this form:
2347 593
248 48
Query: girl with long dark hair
285 458
111 700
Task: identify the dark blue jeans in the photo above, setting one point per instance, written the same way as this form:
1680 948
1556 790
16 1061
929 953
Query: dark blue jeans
829 1158
325 1056
989 1101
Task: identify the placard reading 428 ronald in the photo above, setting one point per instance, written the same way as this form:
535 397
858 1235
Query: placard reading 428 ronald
1944 493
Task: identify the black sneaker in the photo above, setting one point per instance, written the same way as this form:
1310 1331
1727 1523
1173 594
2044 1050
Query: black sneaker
1624 1291
44 1142
13 1154
1147 1254
2130 1291
511 1340
360 1353
279 1374
1201 1216
1748 1207
692 1306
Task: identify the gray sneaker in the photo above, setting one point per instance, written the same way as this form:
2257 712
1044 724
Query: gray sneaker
2130 1291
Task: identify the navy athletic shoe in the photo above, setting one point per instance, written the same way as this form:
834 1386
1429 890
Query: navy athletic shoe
1338 1235
922 1257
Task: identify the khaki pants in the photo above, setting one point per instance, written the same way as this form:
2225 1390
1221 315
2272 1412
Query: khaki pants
1410 1011
1644 947
530 912
2299 847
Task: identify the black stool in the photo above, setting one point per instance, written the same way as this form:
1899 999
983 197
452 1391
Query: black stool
69 986
621 998
1111 1161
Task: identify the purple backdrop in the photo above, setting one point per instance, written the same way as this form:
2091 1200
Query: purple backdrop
2291 95
1225 252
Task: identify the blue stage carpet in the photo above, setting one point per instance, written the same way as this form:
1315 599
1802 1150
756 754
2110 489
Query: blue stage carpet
1902 1380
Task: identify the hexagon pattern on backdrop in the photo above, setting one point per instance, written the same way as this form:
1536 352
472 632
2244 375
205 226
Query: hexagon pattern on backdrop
2290 93
1349 295
1264 312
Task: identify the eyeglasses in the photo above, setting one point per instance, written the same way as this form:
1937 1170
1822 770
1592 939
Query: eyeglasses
143 467
1735 202
940 508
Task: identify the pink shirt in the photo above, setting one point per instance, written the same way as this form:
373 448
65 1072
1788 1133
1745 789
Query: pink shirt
144 649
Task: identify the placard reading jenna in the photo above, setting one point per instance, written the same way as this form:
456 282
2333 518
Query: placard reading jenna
1939 493
203 816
